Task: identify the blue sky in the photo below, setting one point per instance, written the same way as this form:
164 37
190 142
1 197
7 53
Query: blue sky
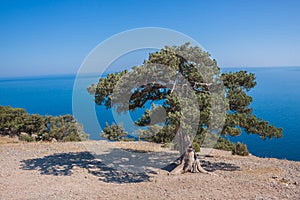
53 37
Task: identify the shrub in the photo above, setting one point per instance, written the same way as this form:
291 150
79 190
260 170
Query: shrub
26 138
13 121
225 144
114 132
73 137
240 149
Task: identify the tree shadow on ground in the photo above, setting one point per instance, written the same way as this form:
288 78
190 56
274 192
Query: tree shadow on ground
62 164
213 166
113 165
209 166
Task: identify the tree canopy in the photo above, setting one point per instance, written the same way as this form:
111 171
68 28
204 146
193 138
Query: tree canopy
187 68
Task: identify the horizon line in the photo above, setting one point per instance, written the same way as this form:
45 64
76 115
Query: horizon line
93 73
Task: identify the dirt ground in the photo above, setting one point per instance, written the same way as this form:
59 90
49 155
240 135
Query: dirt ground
128 170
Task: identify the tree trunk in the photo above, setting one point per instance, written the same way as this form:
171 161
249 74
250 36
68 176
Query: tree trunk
183 140
188 162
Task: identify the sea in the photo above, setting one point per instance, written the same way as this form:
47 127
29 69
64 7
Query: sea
276 98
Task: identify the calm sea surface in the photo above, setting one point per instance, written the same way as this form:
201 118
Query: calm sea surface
276 99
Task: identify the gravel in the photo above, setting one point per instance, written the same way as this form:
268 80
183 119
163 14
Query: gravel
72 171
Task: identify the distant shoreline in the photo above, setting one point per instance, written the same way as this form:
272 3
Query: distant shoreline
53 75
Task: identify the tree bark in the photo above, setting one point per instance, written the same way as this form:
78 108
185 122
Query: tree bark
183 140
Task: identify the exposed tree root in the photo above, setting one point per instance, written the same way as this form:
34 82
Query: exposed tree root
188 162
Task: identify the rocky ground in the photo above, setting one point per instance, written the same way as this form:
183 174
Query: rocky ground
103 170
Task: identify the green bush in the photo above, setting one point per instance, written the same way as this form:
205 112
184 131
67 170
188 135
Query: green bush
26 138
13 121
114 132
225 144
240 149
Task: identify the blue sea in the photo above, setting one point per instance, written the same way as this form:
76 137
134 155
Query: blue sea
276 99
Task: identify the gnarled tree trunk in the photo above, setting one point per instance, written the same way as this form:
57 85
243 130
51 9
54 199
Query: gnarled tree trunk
188 161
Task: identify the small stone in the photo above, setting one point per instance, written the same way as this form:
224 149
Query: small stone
151 179
274 177
23 133
284 180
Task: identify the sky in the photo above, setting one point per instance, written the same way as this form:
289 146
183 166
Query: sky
54 36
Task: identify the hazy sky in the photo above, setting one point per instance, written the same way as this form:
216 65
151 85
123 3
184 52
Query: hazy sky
54 36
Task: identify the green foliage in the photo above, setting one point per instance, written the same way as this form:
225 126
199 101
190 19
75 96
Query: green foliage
26 138
158 134
224 144
114 132
14 121
240 114
240 149
128 139
196 146
186 59
105 88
